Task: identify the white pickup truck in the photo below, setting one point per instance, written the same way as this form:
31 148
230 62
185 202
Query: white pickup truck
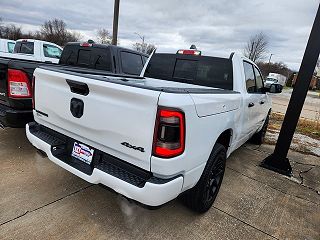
155 137
34 50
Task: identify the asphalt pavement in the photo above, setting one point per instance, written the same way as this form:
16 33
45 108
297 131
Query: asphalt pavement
40 200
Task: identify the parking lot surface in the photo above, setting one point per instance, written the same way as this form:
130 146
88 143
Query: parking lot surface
311 107
40 200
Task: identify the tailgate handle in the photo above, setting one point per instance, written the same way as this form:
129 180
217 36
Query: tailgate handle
78 87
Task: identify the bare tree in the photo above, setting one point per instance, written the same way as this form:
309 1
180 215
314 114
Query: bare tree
256 47
52 31
11 32
275 67
56 31
73 36
143 47
104 37
1 27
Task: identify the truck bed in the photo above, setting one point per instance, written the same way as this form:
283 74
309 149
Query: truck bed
136 81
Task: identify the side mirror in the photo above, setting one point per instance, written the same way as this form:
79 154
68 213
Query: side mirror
275 88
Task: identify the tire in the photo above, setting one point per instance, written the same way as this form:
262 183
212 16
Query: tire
258 138
201 197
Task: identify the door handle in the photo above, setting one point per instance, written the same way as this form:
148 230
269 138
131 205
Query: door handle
251 105
261 102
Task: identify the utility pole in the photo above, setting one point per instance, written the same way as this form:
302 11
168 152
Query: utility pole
269 67
270 58
278 161
115 22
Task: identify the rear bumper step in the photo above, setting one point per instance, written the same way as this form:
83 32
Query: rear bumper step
125 178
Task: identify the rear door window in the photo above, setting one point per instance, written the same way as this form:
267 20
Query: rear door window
131 63
51 51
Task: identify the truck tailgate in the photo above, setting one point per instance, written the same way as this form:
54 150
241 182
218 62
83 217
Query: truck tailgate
116 119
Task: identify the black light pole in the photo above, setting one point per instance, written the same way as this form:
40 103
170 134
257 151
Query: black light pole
115 22
278 161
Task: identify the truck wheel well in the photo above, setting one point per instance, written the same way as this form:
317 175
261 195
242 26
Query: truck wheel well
224 138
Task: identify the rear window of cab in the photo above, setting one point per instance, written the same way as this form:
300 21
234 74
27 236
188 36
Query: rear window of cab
88 57
24 47
198 70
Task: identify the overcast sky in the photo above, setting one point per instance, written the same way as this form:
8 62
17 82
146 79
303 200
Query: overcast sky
217 27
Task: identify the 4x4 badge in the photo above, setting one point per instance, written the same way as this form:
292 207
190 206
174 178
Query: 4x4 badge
141 149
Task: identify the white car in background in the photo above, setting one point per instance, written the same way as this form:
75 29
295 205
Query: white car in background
7 45
35 50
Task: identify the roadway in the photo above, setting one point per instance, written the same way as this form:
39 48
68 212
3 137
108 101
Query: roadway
311 108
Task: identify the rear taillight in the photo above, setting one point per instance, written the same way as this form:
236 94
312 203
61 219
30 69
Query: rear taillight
33 92
18 84
169 136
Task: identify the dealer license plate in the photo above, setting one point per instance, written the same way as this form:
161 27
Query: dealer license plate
82 152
